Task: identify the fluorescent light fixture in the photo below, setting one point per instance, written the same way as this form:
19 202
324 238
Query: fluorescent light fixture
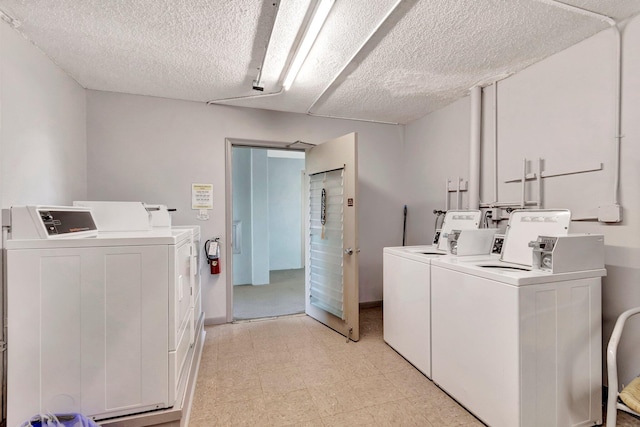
317 21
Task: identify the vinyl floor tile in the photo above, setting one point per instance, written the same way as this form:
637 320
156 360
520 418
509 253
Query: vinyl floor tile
294 371
334 398
375 390
410 382
295 407
280 381
398 413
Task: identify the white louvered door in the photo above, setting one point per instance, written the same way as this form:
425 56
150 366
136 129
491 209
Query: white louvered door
332 238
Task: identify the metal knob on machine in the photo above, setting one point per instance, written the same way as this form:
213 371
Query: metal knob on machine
453 241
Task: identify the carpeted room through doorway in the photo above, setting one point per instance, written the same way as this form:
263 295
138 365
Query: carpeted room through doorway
283 295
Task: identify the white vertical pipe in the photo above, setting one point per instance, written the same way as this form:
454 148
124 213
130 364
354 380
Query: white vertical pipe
495 142
618 118
539 177
474 148
458 195
446 195
524 183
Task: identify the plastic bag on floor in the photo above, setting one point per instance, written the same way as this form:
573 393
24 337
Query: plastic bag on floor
59 420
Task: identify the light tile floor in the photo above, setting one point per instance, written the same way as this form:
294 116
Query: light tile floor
294 371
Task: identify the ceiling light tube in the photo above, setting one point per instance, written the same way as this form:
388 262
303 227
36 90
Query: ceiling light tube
317 21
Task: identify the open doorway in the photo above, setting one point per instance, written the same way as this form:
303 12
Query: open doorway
268 274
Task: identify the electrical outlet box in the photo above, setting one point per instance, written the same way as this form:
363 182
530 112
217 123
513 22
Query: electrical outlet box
611 213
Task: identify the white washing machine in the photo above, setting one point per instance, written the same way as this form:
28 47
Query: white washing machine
514 345
406 292
407 303
97 322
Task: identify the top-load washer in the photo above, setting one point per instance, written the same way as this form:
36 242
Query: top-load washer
519 346
406 292
95 321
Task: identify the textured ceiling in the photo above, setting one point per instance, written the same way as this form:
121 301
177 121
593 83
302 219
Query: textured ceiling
380 60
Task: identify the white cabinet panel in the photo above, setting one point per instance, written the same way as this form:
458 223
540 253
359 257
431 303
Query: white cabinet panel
475 344
407 309
523 356
82 320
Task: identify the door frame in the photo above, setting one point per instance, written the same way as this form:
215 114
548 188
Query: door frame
227 262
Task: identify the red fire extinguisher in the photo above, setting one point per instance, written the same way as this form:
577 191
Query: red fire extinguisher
212 249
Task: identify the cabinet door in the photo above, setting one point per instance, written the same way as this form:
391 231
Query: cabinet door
474 344
125 329
184 284
44 307
561 353
407 309
88 330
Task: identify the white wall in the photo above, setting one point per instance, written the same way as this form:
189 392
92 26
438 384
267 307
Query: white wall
43 127
285 213
152 149
561 110
436 149
42 131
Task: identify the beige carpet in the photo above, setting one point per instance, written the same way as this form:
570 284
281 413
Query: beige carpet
283 295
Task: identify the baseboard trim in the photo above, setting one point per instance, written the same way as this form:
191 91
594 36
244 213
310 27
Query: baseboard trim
215 321
371 304
212 321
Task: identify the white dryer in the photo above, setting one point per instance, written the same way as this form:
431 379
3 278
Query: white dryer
516 346
97 322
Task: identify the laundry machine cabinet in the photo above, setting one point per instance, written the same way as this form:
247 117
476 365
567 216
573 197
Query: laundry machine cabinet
407 303
518 348
87 329
98 322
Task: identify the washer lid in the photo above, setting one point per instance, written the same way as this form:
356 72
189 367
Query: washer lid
118 216
525 226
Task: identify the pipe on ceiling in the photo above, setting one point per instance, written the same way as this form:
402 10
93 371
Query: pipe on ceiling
495 141
326 116
474 147
237 98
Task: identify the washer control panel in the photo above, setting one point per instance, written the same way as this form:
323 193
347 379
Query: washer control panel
58 222
564 254
50 222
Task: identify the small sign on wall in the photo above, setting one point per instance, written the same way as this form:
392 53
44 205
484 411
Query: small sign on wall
202 199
